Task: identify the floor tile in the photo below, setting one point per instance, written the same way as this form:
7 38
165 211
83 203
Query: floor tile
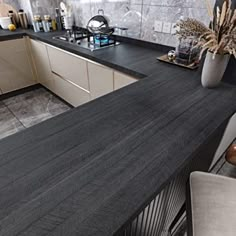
8 122
35 106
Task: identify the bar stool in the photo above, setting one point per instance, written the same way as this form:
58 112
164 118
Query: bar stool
211 205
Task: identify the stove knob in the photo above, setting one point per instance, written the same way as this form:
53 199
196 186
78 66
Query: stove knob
78 42
71 40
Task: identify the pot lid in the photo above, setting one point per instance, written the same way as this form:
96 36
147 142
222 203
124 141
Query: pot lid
99 23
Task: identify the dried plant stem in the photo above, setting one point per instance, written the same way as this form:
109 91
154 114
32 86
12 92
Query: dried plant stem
221 39
209 9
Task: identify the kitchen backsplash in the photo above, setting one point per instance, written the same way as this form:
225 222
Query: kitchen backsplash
20 4
11 2
138 15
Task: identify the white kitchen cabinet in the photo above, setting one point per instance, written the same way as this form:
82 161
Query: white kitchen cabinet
69 92
75 79
70 67
59 76
121 80
15 66
100 80
41 63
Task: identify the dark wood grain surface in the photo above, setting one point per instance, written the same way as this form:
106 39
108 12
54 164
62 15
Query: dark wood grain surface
133 60
86 172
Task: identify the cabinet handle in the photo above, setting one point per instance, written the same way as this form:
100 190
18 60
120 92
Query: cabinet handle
68 81
58 75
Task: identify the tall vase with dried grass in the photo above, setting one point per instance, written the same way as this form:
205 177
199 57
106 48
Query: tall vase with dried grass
219 41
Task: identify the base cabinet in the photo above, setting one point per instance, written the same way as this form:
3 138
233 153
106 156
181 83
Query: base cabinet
74 79
41 63
47 60
69 92
121 80
15 65
100 80
70 67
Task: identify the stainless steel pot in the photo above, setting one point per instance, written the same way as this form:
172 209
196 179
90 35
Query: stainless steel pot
99 24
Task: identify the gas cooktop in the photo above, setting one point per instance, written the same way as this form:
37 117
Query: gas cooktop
87 40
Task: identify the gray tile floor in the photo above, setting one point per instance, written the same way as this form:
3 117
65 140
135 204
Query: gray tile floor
27 109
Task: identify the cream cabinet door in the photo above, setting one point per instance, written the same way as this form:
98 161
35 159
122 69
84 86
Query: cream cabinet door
100 80
69 92
121 80
41 63
70 67
15 65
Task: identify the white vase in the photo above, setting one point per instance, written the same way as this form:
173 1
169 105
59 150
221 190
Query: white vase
214 69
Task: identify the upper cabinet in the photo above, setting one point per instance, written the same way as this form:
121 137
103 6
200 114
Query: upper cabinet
69 67
41 62
100 80
121 80
15 65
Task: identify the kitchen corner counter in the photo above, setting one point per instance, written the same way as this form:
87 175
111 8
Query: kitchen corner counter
8 35
92 169
130 59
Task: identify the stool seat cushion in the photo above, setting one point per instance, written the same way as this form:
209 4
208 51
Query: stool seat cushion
213 205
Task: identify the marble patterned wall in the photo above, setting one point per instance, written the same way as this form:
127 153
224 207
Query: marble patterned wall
14 3
20 4
120 12
169 11
138 15
44 7
26 5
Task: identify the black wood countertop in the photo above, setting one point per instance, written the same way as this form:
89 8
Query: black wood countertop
131 59
88 171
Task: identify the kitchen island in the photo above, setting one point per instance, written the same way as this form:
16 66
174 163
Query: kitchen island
93 169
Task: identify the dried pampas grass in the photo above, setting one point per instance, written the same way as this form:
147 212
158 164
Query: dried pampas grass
209 9
220 38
